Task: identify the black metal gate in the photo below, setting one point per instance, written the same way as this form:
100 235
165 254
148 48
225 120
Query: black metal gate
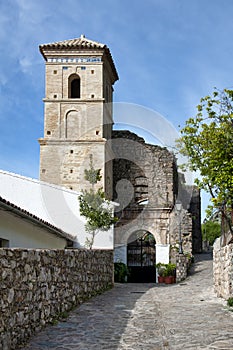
141 259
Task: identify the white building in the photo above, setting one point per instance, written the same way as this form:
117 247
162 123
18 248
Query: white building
35 214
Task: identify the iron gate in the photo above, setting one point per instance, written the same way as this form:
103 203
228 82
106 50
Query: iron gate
141 259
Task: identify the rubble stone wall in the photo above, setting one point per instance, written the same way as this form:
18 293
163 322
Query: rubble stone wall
38 286
223 270
181 268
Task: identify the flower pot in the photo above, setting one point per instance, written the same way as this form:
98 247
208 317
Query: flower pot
161 279
169 279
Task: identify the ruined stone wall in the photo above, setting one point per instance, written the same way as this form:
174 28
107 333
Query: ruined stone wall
38 286
223 270
147 170
180 223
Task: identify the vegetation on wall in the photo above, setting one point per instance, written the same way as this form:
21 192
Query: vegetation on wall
121 272
95 207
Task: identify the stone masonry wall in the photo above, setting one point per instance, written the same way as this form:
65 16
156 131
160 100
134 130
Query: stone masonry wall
223 270
38 286
181 268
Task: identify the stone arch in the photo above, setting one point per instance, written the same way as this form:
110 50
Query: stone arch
125 237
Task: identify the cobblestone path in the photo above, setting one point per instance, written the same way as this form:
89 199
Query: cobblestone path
147 316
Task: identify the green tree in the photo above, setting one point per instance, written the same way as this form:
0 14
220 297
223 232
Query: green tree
210 231
95 207
207 141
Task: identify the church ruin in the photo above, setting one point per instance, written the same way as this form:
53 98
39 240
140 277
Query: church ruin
142 178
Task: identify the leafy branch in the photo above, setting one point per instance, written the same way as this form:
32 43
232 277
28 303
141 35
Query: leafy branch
95 207
207 140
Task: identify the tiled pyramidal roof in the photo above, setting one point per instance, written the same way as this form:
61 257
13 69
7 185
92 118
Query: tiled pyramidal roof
82 44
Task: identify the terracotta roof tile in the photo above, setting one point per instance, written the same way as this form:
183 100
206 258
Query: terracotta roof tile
81 43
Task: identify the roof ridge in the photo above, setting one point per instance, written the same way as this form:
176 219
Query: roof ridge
39 182
81 41
41 221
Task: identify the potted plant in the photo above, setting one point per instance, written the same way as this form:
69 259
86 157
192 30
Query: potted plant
161 271
170 273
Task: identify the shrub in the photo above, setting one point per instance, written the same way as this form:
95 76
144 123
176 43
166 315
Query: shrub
170 269
121 272
166 269
161 269
230 302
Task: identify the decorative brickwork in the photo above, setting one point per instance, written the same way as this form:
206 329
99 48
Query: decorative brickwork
38 286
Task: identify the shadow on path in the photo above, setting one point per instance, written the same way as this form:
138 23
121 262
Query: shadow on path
185 315
97 324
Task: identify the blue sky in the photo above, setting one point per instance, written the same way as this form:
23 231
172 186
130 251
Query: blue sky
168 53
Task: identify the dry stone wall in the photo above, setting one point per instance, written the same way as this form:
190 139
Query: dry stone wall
223 270
38 286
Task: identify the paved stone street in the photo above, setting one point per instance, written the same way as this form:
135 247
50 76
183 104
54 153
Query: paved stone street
147 316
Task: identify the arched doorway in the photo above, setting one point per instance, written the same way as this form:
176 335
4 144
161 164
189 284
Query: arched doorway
141 257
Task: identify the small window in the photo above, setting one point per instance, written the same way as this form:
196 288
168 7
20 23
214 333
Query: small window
97 132
48 132
71 171
55 72
71 151
83 68
92 96
71 188
43 171
92 71
54 96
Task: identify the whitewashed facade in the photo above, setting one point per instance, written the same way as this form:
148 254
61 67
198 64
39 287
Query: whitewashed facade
55 205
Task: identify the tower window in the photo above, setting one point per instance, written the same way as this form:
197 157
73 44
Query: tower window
92 71
92 96
71 151
48 132
55 72
74 86
71 171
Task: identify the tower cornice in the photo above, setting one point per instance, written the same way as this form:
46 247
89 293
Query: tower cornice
82 46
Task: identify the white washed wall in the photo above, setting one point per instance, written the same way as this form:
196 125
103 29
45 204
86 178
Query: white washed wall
53 204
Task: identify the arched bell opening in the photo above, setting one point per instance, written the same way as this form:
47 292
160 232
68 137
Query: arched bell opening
74 86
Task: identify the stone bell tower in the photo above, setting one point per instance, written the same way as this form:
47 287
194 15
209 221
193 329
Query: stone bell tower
80 74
